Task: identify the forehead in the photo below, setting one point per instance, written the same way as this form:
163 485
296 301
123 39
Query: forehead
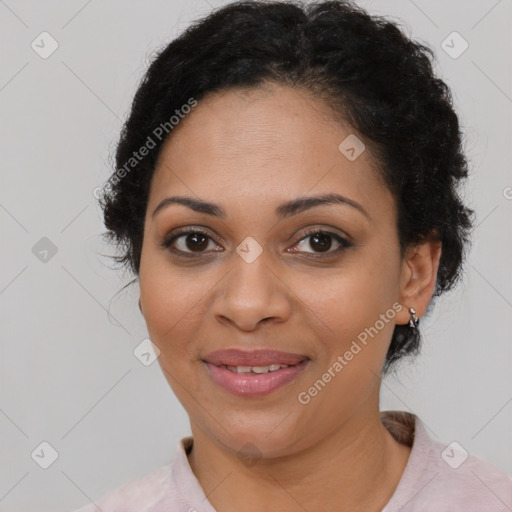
265 143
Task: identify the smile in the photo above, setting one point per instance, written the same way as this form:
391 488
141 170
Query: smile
252 381
256 369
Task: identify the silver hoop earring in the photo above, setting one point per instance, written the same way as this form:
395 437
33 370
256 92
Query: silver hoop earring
414 320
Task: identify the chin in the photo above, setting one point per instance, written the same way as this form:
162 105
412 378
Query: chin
256 436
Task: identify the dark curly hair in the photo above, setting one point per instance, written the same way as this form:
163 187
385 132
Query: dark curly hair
370 73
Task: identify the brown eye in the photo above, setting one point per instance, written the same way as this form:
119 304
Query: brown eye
196 241
189 242
321 242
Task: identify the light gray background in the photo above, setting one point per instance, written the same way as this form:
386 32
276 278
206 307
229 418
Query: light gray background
68 375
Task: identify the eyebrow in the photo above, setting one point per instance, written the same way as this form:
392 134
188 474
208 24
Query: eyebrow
284 210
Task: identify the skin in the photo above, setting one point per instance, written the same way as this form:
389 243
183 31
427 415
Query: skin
249 150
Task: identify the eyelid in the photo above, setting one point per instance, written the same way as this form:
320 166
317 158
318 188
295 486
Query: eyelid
343 240
185 230
341 237
326 228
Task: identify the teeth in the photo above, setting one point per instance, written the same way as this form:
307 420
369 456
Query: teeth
257 369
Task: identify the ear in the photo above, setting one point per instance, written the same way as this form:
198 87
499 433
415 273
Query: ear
418 278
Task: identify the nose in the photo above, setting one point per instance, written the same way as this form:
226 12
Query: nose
253 293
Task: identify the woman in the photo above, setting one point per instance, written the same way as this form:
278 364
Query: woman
286 195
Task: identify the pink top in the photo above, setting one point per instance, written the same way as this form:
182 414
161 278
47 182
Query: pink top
436 475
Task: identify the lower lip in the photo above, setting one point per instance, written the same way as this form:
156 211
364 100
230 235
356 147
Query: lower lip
253 384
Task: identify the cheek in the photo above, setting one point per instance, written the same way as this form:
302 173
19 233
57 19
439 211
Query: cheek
173 304
355 305
342 299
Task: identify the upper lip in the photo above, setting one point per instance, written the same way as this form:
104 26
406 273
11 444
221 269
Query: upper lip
262 357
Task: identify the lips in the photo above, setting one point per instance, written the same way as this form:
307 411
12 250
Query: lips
254 373
258 358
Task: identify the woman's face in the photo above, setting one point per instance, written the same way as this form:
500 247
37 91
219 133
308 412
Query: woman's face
261 276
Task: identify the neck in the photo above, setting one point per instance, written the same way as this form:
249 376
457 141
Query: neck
356 467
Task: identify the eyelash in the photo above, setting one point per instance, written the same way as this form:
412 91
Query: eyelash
344 244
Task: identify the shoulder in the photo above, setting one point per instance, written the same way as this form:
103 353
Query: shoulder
170 487
461 477
441 476
137 495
